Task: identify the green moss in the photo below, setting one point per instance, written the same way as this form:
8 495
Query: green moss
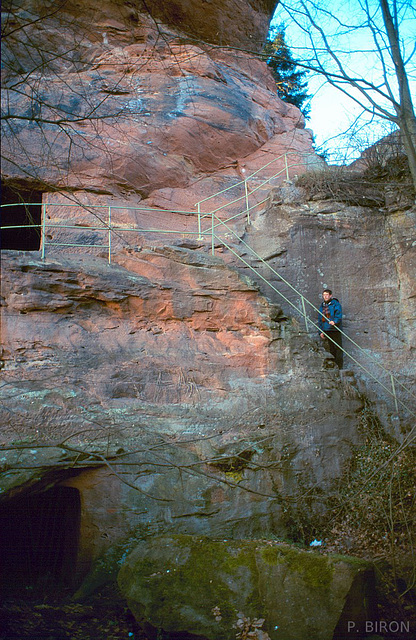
190 581
234 464
351 560
271 555
235 476
209 574
316 570
245 559
199 584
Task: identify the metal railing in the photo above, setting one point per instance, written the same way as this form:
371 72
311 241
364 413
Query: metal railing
246 194
394 381
110 228
107 225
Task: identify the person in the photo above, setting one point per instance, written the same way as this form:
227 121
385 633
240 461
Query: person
330 324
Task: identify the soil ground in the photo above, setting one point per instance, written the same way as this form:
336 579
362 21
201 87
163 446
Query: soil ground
102 617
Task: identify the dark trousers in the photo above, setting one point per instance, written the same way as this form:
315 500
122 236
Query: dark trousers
334 349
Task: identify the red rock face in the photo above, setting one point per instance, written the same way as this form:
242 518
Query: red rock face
130 105
163 326
163 361
222 22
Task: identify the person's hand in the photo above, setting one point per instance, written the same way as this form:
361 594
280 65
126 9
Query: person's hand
331 322
322 335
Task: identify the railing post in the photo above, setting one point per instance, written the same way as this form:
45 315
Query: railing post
43 229
109 234
394 393
286 167
199 220
212 234
247 207
304 312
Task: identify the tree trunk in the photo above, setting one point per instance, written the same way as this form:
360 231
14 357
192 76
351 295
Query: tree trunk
407 124
405 112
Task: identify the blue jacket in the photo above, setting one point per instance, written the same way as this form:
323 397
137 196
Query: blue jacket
335 313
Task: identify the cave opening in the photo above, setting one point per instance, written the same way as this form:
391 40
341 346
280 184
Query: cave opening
39 538
24 208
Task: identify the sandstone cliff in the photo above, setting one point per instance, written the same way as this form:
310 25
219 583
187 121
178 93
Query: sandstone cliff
173 390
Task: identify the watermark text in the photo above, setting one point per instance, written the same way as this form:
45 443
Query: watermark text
379 626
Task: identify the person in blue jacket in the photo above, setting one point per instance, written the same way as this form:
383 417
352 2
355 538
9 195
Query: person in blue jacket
330 321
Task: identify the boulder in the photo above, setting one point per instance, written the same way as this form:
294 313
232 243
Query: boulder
226 589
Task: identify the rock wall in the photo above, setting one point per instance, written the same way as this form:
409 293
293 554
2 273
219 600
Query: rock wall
166 388
207 404
367 256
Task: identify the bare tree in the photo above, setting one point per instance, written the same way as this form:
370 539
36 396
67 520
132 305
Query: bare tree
364 48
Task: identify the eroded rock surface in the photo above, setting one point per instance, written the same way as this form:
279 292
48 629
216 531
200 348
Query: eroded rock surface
139 105
165 388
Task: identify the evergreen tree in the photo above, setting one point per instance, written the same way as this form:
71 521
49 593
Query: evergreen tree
291 84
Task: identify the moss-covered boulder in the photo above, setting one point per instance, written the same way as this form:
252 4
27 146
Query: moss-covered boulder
222 589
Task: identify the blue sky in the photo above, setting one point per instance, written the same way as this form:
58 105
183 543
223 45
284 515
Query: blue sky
331 111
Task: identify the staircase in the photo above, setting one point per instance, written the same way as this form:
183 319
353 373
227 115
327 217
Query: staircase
364 362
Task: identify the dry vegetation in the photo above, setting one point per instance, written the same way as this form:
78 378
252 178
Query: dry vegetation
372 514
368 183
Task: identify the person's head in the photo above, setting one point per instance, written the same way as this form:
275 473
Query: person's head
327 295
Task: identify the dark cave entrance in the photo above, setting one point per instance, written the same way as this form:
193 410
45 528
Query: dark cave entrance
27 239
39 537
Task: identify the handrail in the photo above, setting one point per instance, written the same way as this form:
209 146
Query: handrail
392 393
247 210
245 196
284 155
90 206
308 319
303 299
215 223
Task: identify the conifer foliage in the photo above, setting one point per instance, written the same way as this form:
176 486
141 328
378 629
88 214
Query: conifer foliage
291 83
